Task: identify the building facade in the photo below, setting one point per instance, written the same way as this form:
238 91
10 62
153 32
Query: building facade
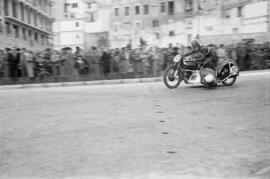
235 21
164 22
81 23
158 22
26 24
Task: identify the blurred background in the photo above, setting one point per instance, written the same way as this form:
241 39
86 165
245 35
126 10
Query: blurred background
71 40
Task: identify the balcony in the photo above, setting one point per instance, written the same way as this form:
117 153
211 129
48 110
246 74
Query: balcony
16 21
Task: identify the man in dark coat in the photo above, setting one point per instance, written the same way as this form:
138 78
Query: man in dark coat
10 63
105 62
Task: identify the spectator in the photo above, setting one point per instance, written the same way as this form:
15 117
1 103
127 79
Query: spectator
166 59
221 55
10 63
241 56
56 61
137 61
69 64
115 63
144 62
105 63
94 63
29 63
2 63
124 63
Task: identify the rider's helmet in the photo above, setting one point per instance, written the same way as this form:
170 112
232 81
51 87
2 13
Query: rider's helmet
195 45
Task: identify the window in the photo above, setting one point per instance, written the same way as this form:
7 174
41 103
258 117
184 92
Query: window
172 33
92 17
126 11
77 24
29 16
155 23
74 5
162 7
89 5
116 11
22 11
137 9
16 30
72 15
77 36
35 19
6 7
171 7
42 39
14 9
66 7
188 5
157 35
146 9
36 37
24 34
7 27
209 28
30 34
239 11
235 30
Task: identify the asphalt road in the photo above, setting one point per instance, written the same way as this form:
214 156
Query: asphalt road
137 131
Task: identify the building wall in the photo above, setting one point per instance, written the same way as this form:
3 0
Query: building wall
93 19
99 39
25 23
171 27
209 18
229 39
249 19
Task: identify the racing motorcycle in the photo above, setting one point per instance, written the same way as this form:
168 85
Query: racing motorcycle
191 72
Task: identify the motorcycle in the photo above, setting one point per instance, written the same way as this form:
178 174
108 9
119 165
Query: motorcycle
191 72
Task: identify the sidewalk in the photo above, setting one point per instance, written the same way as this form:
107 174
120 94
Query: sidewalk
104 82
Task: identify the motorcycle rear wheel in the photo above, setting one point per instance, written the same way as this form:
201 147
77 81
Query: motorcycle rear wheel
170 76
229 81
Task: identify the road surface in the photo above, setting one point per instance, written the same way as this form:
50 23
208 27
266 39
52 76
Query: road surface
137 131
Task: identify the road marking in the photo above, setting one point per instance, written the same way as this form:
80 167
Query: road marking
263 171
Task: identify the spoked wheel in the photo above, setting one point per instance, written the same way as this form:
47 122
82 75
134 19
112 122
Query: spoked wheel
171 78
229 81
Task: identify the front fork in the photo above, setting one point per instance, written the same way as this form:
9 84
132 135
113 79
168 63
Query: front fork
177 71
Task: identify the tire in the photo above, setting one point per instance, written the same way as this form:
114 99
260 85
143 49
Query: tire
166 79
225 83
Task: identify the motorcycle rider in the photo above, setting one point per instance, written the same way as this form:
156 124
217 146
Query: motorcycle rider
203 54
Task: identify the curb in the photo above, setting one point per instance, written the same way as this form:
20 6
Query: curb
110 82
81 83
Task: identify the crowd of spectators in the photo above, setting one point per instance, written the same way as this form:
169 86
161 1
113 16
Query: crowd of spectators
19 65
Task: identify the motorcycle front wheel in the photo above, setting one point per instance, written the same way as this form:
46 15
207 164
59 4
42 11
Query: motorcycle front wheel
171 78
229 81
